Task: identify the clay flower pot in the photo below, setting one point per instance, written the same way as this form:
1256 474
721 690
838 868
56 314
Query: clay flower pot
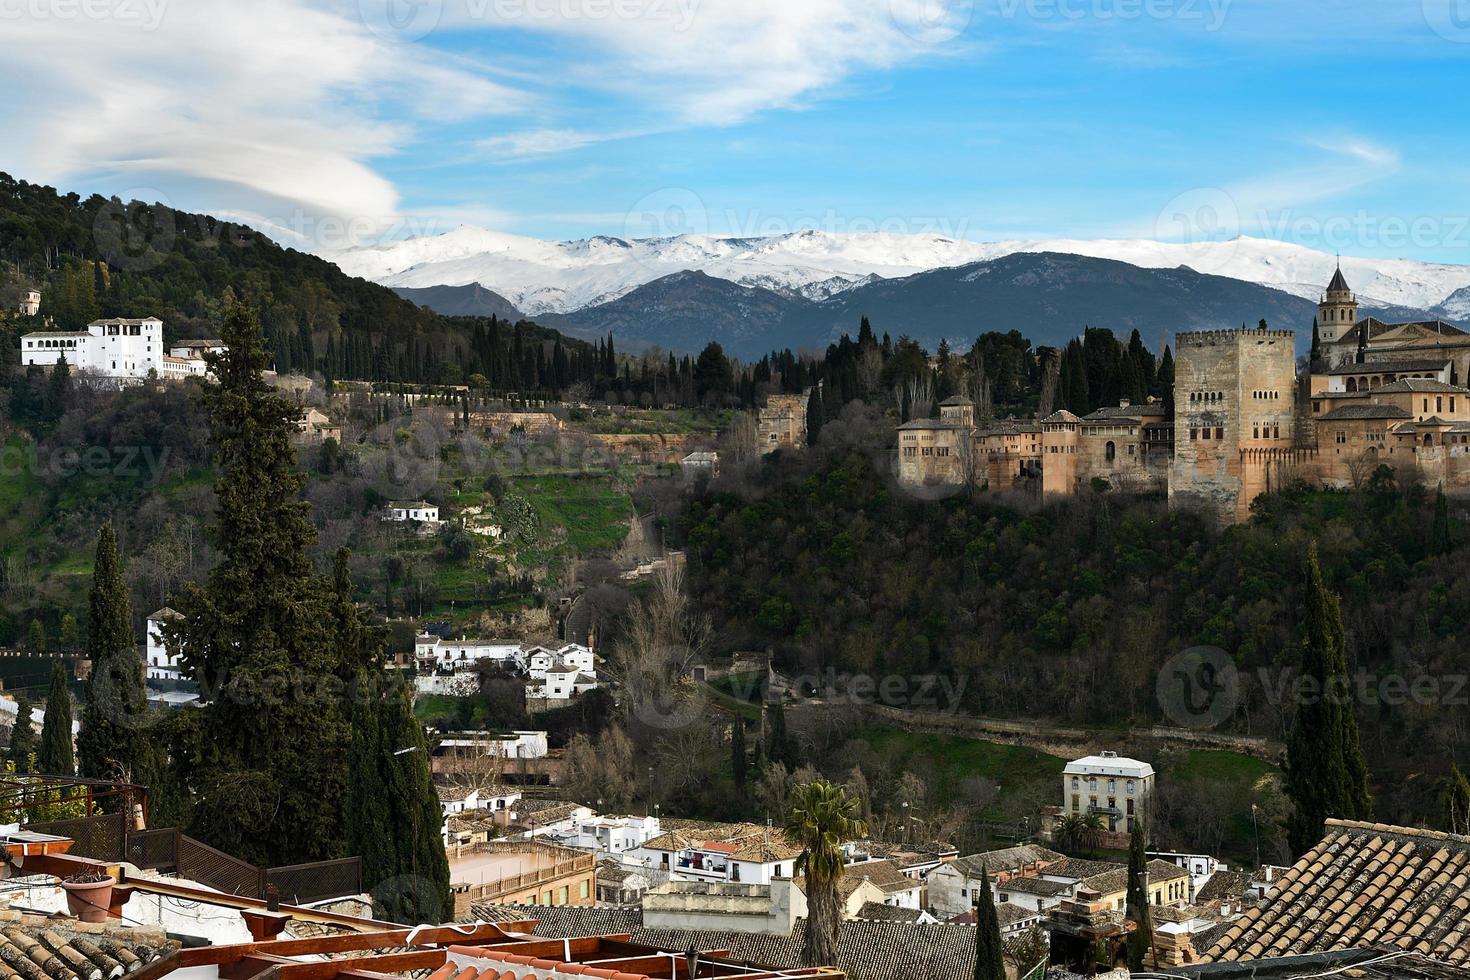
88 896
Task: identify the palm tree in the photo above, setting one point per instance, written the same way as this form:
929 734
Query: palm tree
1092 831
822 818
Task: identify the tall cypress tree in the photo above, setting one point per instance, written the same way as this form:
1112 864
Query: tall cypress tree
1457 802
393 819
54 757
260 635
990 961
112 740
1326 775
22 737
1140 940
1440 541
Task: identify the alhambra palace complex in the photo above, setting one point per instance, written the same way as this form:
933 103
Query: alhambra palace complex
1383 393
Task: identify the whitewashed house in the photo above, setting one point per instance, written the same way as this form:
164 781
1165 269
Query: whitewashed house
419 511
30 302
955 886
433 653
162 662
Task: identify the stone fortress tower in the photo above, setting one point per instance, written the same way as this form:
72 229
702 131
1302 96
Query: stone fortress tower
1234 415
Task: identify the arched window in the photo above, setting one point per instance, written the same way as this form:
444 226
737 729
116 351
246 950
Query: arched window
1112 452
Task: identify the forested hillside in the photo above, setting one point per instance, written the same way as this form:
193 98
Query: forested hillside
100 256
1069 610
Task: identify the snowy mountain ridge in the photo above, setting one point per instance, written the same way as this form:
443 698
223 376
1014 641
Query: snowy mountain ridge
542 277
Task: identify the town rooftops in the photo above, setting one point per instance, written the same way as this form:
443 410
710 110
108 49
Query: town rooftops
1061 417
1350 413
954 400
55 334
1365 885
125 321
1225 886
1076 869
1161 870
1005 859
408 504
1108 764
166 612
1041 887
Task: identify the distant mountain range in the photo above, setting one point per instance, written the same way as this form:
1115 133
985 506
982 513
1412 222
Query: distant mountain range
803 289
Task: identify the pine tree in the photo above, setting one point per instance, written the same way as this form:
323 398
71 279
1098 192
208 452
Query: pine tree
1315 357
1326 775
1140 940
260 635
989 951
22 749
1457 802
36 636
54 757
113 740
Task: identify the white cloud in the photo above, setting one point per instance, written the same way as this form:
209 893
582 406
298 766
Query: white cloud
271 107
537 143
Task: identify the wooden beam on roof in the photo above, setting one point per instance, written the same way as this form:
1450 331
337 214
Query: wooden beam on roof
344 943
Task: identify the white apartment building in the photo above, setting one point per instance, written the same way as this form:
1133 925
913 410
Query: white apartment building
1115 788
162 662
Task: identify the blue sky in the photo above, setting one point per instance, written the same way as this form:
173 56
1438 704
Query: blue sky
1334 124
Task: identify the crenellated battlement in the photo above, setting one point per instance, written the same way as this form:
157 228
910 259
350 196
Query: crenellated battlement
1207 338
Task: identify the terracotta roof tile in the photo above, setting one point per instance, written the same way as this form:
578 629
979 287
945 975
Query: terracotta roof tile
1364 885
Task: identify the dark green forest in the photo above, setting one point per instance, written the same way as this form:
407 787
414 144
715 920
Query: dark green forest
1068 610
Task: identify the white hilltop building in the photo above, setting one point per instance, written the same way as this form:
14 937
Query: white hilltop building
30 302
162 663
119 349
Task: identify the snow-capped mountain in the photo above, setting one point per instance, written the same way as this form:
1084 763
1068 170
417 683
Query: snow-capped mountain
542 277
